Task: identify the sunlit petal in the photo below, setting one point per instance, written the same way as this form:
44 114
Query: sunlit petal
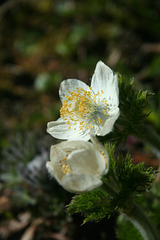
87 110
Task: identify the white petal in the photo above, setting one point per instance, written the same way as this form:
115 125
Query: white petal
54 171
61 151
103 79
57 153
49 167
87 161
53 166
101 148
80 183
83 155
71 85
73 145
108 125
59 129
112 93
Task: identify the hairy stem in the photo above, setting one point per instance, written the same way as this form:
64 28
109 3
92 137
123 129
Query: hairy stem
137 217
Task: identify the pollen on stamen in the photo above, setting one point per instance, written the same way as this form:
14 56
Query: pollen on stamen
99 120
104 111
105 158
83 108
105 102
63 159
65 168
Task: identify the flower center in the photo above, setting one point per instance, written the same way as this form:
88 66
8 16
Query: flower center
84 108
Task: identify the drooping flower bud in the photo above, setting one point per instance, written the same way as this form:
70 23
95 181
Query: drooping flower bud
77 165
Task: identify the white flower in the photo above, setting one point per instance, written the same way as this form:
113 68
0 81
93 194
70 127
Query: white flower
78 165
87 110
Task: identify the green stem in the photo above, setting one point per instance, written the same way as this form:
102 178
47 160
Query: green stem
137 217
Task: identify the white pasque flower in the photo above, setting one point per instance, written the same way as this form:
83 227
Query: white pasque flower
77 165
87 110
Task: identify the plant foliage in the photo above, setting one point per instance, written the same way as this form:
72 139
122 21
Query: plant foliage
124 181
125 230
132 105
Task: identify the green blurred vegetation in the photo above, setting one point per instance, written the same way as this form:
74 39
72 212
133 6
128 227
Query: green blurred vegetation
41 43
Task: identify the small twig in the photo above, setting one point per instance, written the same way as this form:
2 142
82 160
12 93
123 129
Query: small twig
151 48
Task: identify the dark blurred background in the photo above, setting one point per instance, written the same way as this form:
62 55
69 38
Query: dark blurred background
41 43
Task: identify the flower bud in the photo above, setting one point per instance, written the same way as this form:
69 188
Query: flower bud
77 165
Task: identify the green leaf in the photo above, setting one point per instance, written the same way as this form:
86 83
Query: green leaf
93 204
132 104
121 184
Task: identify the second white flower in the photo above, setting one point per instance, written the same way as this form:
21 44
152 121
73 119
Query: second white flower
77 165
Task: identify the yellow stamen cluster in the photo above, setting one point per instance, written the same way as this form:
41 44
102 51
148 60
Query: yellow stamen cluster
81 107
98 120
64 166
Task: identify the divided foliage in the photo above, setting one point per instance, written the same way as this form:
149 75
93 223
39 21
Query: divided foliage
124 181
132 104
